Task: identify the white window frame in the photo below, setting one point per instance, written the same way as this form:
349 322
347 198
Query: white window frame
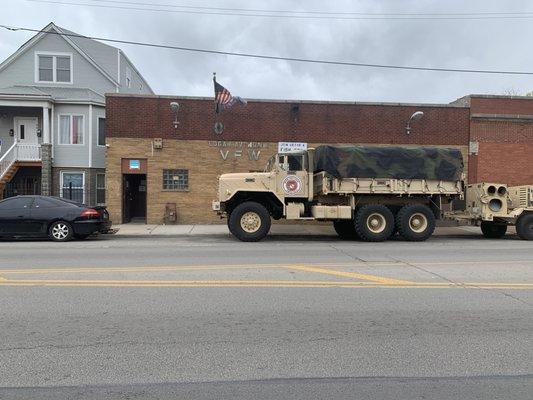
54 56
129 79
61 182
71 122
96 188
98 133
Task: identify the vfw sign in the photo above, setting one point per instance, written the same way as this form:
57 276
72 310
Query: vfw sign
250 150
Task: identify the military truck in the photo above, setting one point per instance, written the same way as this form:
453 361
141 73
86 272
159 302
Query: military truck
370 194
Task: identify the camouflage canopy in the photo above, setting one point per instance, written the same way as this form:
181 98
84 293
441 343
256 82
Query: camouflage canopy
430 163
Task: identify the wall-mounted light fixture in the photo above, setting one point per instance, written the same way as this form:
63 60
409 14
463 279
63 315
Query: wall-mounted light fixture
415 117
175 107
11 132
39 132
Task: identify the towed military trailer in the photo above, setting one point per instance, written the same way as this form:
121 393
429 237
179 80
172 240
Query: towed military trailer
370 194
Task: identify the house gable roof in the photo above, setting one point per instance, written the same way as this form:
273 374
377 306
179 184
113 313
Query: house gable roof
79 43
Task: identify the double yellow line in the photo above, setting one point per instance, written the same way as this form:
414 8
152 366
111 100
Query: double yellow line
352 279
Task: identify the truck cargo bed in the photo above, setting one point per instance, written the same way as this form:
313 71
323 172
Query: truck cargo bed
327 184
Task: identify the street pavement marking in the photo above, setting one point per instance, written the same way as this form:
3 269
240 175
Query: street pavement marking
351 275
268 284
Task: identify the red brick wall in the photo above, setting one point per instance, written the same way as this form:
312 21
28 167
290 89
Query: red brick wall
501 105
505 146
505 163
137 116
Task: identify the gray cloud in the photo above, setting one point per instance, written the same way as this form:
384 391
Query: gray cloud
489 44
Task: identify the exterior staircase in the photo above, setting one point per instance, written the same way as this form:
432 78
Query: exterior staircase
18 155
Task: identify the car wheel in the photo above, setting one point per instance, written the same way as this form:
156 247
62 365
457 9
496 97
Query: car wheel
493 230
524 226
345 229
415 222
60 231
81 237
374 223
249 222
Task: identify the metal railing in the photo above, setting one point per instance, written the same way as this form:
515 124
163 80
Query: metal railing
19 152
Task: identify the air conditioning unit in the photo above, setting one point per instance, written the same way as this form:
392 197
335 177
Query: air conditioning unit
487 200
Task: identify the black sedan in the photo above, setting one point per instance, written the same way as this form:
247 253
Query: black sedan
58 219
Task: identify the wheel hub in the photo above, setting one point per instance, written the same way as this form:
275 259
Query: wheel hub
250 222
376 223
60 231
418 222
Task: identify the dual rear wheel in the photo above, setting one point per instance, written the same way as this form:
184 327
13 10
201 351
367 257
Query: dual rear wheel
376 223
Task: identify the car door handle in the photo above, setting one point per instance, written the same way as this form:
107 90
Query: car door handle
20 216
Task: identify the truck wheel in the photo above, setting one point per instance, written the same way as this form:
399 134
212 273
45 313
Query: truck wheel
345 229
524 226
374 223
249 222
415 222
493 230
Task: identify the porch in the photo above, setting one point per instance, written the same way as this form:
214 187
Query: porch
25 127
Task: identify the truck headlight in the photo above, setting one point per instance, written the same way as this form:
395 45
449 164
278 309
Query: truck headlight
495 205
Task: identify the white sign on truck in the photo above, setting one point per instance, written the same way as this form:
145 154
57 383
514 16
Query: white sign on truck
291 147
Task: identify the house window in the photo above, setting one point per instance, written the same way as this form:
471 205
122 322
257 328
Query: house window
175 179
73 186
101 131
128 77
54 68
100 189
71 129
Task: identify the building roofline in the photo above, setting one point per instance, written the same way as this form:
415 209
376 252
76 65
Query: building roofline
136 70
288 101
496 96
35 38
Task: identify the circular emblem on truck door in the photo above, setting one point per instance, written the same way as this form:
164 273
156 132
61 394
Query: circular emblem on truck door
291 184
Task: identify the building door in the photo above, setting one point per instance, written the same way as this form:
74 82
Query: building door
26 130
134 197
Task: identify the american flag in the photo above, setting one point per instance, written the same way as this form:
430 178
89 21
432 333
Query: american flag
224 99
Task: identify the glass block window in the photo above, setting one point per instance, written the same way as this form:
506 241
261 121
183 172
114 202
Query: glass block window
175 179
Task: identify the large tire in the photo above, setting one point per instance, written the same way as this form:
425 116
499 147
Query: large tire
493 230
60 231
345 229
249 221
524 226
415 222
374 223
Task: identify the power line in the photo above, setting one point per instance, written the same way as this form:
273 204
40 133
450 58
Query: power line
397 17
276 58
137 3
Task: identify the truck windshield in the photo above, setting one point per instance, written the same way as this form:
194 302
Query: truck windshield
270 164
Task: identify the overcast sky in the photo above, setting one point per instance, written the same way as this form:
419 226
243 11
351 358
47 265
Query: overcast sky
474 44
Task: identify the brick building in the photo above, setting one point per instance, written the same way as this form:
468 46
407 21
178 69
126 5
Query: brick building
159 161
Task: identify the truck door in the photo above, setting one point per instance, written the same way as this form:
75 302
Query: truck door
293 178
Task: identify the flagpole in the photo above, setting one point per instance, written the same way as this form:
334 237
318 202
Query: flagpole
215 88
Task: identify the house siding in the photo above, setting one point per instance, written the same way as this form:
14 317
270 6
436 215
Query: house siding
99 152
85 75
137 80
71 155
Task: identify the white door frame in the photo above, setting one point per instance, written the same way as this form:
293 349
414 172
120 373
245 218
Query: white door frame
16 124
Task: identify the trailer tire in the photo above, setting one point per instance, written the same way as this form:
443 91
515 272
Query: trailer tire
345 229
524 226
249 222
415 222
493 230
374 223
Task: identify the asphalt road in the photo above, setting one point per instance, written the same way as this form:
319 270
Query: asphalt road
290 318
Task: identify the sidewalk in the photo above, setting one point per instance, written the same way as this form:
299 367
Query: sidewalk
281 229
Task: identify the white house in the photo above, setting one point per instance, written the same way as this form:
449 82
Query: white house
52 114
